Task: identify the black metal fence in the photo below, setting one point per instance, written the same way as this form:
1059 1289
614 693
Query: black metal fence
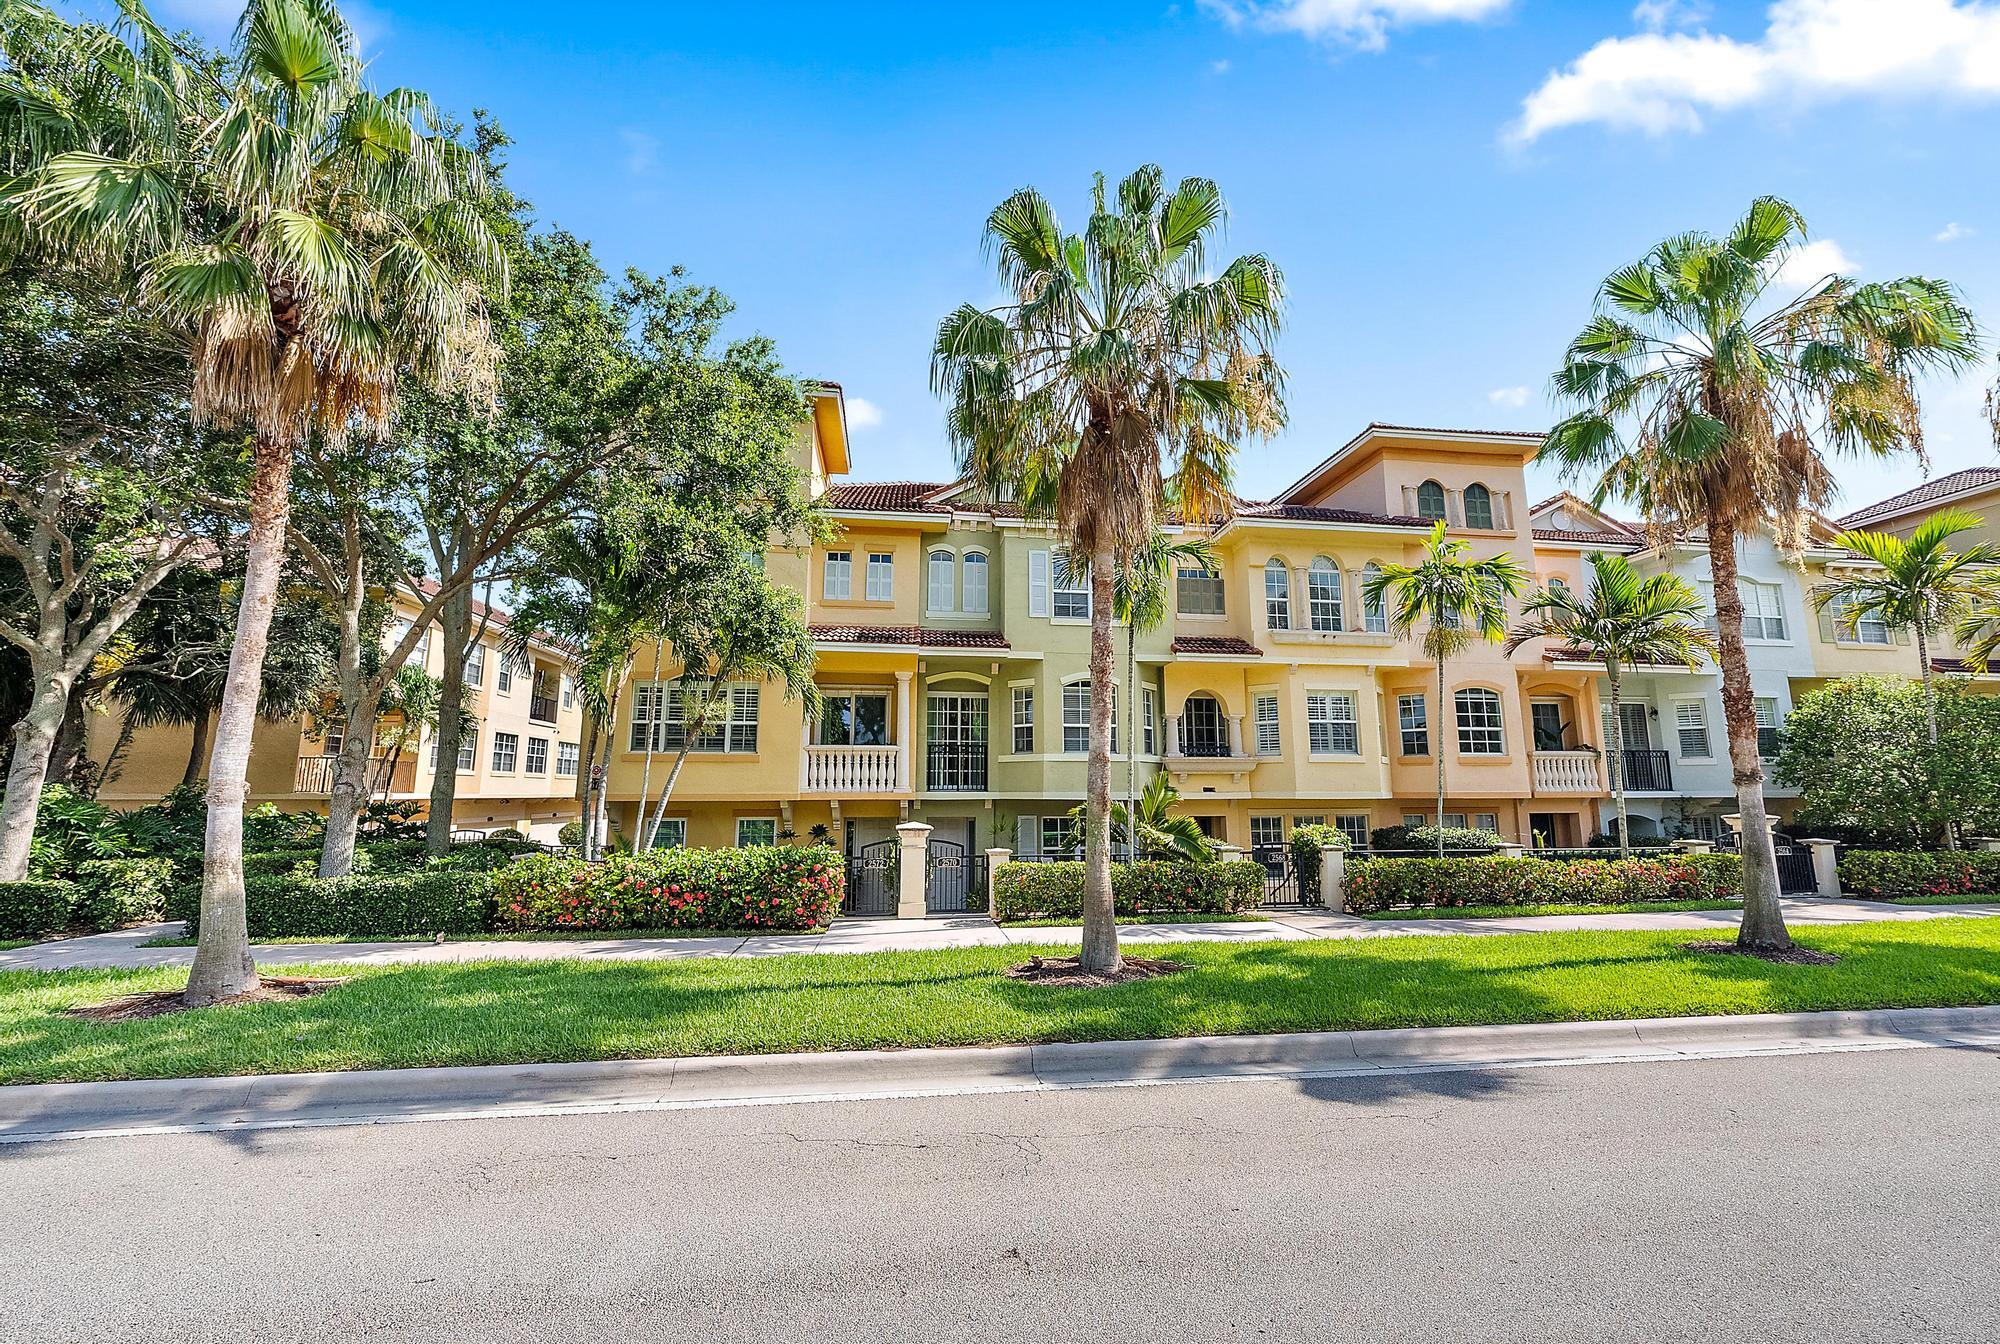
955 767
1648 771
872 880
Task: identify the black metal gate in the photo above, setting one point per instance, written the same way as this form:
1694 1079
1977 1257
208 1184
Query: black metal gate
1281 879
871 880
1795 870
954 881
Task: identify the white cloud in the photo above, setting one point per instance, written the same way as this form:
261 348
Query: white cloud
863 413
1659 15
1806 266
1513 398
1812 50
642 151
1954 231
1219 67
1358 23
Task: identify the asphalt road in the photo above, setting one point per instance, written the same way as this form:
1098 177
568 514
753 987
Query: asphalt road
1820 1198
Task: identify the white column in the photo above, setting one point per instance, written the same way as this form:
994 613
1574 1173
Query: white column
1333 878
912 847
1235 734
996 859
1826 869
903 731
1174 735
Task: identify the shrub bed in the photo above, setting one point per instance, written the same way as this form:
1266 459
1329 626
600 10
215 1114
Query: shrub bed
775 887
1305 845
1888 875
111 893
1151 887
34 907
382 905
1383 884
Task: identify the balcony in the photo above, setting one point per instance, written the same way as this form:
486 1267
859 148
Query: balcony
1648 771
955 767
314 775
1567 772
542 708
852 770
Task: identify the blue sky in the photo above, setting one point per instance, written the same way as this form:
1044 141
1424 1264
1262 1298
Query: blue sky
1443 181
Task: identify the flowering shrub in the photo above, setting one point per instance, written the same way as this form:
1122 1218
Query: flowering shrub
766 887
1887 875
1382 884
1152 887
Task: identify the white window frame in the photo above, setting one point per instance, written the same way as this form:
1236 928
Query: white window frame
1421 726
1038 583
940 563
1022 720
659 704
506 757
1069 593
1697 722
503 676
1870 630
837 577
1356 826
1490 707
1081 728
741 822
475 663
468 751
1057 834
1325 609
1763 611
1277 595
536 746
1200 592
1273 828
880 580
672 834
1486 821
1269 740
1149 703
975 598
1375 612
1769 720
569 759
1333 724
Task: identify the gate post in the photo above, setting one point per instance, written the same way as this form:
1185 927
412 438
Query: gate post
913 842
1333 878
995 860
1826 869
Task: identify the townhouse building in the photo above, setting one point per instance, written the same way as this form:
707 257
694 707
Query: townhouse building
517 765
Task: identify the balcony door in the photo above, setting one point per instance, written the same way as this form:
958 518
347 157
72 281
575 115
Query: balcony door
854 719
1204 729
955 734
1638 727
1546 718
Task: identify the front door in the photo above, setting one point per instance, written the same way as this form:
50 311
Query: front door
1549 829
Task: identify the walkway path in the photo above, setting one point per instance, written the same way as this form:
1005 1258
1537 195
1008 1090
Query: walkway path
125 948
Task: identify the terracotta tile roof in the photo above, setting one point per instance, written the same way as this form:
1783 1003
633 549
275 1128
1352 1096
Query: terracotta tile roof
1582 538
1954 667
1573 655
886 496
1309 513
1968 479
915 636
1217 646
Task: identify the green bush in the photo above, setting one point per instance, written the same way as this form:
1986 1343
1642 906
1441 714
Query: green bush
571 834
505 833
1426 837
111 893
72 829
1888 875
1384 884
1149 887
766 887
446 901
1306 843
32 908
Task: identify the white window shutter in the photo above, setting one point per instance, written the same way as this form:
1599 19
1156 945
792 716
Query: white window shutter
1038 583
1027 831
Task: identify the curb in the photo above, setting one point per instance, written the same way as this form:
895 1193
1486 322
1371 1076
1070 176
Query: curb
44 1112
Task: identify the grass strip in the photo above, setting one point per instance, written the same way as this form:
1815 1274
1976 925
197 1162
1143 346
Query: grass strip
1521 911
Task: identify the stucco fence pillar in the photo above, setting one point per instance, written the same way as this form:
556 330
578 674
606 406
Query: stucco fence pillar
1826 867
996 859
1694 846
1333 878
913 842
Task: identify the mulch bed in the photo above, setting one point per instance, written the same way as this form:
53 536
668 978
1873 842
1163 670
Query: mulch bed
1789 956
1069 971
160 1002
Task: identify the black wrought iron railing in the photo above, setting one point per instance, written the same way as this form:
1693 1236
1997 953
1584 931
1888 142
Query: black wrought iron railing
1648 772
955 767
1204 744
542 708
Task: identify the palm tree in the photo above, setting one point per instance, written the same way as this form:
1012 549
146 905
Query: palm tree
1457 600
315 240
415 697
1626 621
1150 827
1723 387
1125 373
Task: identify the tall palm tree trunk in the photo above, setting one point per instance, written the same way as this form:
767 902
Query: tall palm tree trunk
1763 926
34 744
1438 744
1132 727
1100 921
197 740
222 961
1612 670
1930 715
644 840
360 700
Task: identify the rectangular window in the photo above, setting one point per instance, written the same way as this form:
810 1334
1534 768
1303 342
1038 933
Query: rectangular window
503 676
1265 711
1024 720
1763 610
1198 592
1267 832
854 719
1298 822
475 665
1323 596
1354 825
1415 819
1076 717
1038 583
1545 717
752 831
538 756
1331 726
1455 820
1480 732
1413 719
1486 821
506 752
1691 725
567 757
568 691
838 584
1058 835
658 709
419 652
1277 597
1374 611
468 751
972 583
1767 728
941 570
1150 704
673 833
1869 628
881 577
1071 592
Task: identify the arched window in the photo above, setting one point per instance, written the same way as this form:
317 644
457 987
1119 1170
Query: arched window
1323 594
1557 587
943 565
1374 612
1478 506
1430 501
972 583
1277 595
1204 729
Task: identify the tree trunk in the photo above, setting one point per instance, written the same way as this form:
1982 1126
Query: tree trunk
1930 719
222 962
197 740
644 840
1618 760
68 758
1437 744
586 768
34 743
1100 918
1763 927
598 801
347 797
455 625
651 833
1133 726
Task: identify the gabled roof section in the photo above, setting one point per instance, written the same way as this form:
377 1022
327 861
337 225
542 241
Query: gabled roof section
1250 511
1970 480
829 411
1216 646
886 496
1377 430
1578 507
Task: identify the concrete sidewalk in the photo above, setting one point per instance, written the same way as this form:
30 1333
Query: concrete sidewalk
126 947
84 1110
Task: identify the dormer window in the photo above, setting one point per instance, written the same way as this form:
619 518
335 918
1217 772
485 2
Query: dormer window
1478 506
1430 501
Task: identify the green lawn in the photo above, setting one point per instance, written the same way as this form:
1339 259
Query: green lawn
486 1013
1970 898
1136 919
9 944
1517 911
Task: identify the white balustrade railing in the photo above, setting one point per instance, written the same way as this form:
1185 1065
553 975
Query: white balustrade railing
847 770
1567 772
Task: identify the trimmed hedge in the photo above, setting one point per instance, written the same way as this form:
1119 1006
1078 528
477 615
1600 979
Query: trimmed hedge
1888 875
1383 884
111 893
1149 887
1306 843
769 887
440 901
1426 837
37 906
